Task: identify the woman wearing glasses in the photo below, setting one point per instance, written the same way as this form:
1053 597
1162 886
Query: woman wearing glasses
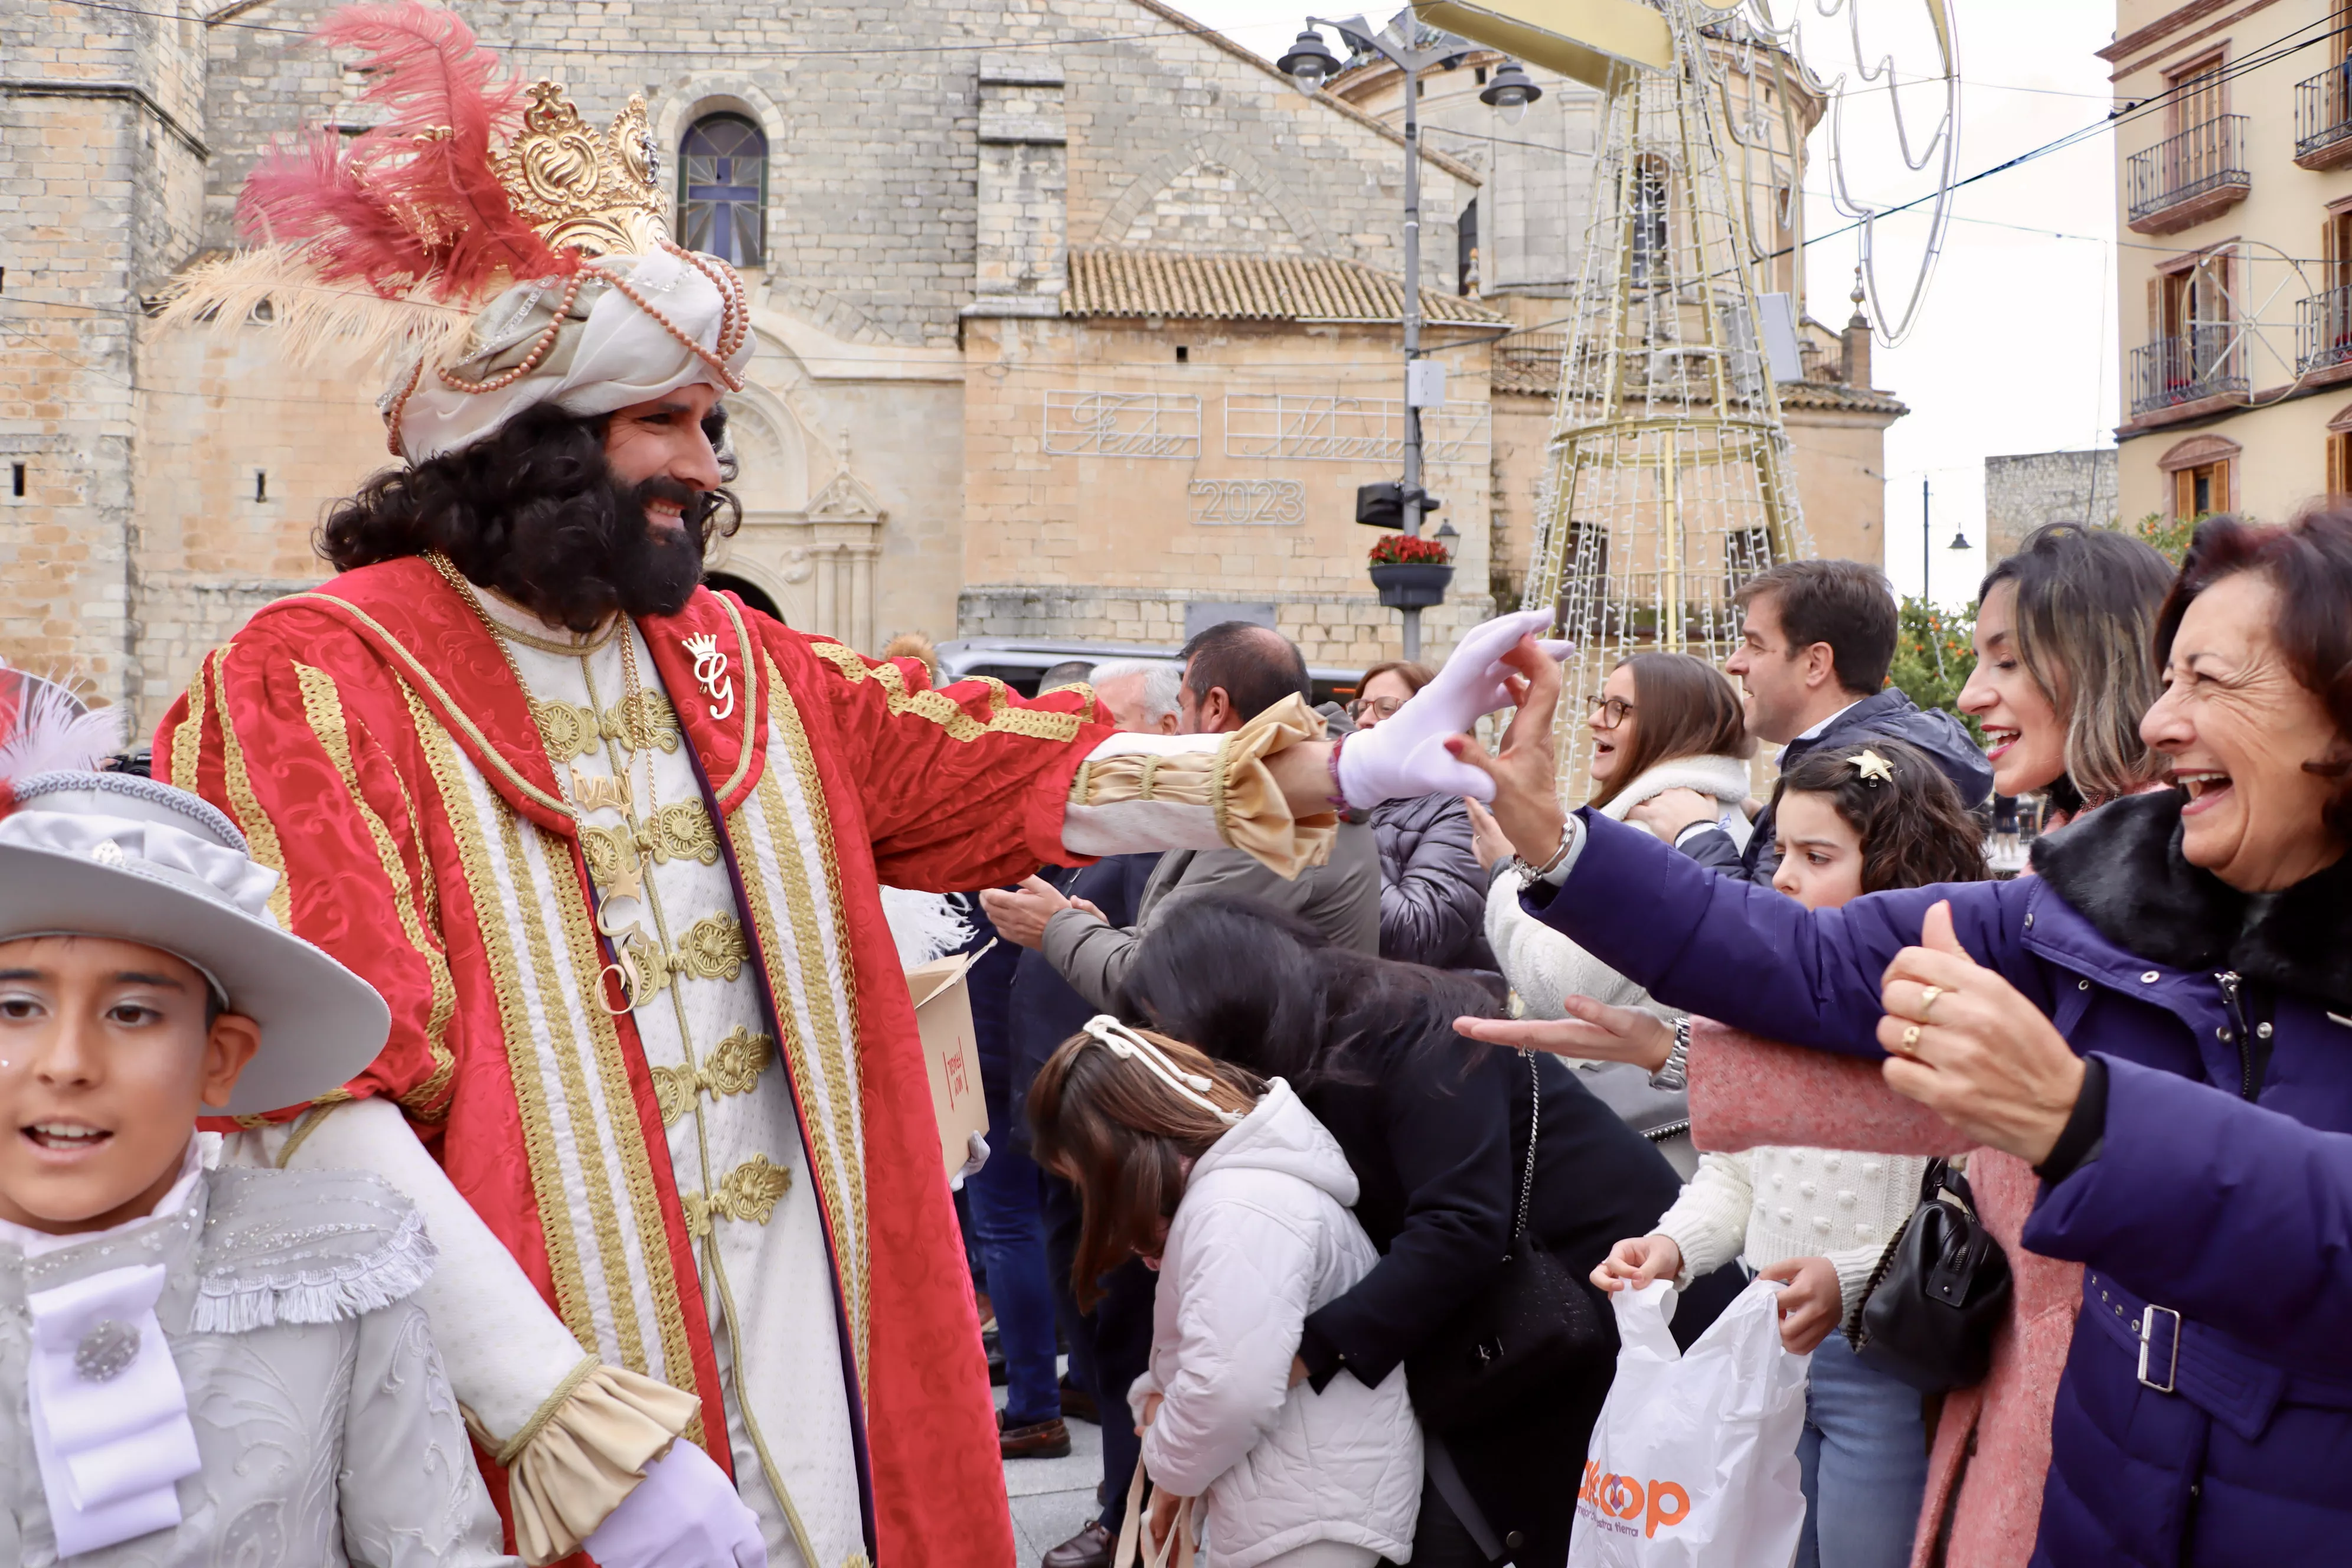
1433 892
1661 723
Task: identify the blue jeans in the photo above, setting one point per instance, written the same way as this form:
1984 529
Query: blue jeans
1864 1453
1008 1220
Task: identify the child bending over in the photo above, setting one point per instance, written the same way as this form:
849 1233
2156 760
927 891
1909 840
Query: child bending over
1240 1197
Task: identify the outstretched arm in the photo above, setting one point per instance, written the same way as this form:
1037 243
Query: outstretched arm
1706 942
968 785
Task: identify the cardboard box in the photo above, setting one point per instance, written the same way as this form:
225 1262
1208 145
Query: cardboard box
950 1051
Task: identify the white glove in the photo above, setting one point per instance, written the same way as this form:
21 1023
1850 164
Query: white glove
975 1156
1405 755
684 1514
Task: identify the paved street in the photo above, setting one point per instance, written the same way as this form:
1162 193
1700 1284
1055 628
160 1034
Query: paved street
1052 1498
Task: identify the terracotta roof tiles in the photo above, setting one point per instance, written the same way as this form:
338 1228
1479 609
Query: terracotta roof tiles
1118 281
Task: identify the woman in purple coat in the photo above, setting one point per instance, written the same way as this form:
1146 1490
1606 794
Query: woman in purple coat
2160 1023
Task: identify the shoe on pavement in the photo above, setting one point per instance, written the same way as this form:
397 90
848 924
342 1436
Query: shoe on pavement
1078 1404
1032 1440
1090 1548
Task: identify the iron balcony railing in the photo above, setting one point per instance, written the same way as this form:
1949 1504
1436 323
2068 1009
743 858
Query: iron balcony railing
2322 111
2323 330
2207 157
2205 361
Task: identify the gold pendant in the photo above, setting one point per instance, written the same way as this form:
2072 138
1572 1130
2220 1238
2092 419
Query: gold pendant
710 673
595 792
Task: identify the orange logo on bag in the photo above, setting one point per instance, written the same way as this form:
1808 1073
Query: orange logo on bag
1610 1497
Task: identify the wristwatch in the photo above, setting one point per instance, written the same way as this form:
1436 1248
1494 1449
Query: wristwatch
1675 1074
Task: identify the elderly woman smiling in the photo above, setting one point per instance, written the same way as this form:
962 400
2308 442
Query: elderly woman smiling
2160 1023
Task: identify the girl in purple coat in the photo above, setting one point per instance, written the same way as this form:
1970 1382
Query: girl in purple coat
2160 1024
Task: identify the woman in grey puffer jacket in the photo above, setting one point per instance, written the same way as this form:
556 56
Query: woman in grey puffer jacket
1433 893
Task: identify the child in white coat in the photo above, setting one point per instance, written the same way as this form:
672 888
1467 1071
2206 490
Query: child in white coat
1241 1199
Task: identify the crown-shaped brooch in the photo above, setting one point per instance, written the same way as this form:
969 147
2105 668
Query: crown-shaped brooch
598 191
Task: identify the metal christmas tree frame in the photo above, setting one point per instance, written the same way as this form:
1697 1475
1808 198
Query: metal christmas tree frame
1669 481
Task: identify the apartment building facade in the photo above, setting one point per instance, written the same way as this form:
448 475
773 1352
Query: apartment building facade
2234 190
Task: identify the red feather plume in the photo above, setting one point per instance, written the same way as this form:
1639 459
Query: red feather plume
414 198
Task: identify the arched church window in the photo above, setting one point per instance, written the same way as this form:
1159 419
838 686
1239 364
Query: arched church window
722 189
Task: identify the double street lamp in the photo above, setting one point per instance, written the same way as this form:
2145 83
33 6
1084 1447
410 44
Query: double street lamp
1310 64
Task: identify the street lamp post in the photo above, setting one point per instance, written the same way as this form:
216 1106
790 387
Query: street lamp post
1927 551
1309 64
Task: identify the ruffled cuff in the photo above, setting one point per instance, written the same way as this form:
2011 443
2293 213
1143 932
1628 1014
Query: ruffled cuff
1200 792
583 1451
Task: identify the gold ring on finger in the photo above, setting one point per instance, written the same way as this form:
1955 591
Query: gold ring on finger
1910 1045
1928 999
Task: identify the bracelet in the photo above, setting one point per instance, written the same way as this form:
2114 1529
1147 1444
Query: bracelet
1675 1074
1536 873
1337 798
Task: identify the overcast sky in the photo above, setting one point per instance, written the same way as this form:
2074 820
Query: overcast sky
2013 348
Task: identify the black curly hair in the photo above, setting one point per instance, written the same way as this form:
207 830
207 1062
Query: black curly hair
533 511
1914 830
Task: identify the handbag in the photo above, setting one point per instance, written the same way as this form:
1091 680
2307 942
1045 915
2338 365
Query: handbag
1509 1346
1938 1294
1660 1115
1135 1547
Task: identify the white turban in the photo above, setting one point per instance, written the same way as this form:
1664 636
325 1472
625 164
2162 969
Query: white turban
609 351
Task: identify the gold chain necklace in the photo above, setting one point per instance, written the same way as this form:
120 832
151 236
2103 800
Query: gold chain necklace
505 633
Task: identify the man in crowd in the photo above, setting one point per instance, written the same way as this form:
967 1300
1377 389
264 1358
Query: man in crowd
1232 672
1815 646
1142 695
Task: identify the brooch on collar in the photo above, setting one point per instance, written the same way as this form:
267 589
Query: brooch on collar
710 673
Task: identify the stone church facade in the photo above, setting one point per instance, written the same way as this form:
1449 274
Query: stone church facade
1073 315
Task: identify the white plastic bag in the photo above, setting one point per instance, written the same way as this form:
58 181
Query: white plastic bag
1693 1463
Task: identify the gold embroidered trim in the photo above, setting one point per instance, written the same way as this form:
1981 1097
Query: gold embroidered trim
733 1067
260 833
417 675
323 705
188 735
766 828
568 729
642 723
572 729
304 1125
836 1055
602 1213
563 1045
630 1133
1004 715
712 949
514 1025
679 831
749 1192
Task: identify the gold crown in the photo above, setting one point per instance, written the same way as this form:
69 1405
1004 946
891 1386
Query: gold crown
598 193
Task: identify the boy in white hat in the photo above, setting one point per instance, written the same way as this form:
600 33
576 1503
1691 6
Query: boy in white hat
197 1365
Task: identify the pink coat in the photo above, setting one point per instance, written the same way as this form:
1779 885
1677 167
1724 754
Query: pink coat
1993 1442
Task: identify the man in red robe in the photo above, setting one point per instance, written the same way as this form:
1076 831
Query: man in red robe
610 844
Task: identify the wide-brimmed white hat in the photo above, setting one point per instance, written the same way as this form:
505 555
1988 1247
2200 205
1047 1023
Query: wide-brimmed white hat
113 855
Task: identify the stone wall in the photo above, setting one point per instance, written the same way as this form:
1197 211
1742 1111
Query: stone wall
2022 493
101 142
1076 528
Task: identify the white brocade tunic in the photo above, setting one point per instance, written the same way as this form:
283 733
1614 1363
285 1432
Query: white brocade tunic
734 1134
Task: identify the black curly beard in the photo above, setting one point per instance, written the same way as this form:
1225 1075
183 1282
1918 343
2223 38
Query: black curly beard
535 513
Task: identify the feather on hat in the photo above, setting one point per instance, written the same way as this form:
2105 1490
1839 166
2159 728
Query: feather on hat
386 248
